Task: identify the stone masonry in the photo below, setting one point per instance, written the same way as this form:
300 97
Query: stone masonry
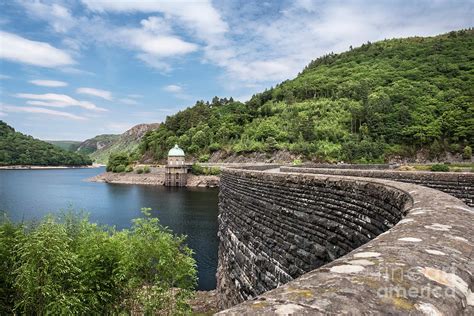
320 244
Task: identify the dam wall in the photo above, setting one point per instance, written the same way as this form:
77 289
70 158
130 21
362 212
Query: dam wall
303 243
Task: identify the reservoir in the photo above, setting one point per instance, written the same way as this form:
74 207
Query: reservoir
31 194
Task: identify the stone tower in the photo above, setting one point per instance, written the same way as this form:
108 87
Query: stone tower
176 169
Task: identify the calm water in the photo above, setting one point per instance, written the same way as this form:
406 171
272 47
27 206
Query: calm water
30 194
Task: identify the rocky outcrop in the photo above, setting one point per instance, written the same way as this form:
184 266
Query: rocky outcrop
100 147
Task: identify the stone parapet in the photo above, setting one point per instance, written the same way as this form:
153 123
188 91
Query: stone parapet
458 184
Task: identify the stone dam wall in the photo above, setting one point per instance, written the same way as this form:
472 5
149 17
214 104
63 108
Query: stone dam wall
458 184
306 244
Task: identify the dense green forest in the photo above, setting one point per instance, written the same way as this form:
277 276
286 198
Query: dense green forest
19 149
66 265
389 98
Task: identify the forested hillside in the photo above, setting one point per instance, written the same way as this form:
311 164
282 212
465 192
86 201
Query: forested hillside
384 99
70 145
19 149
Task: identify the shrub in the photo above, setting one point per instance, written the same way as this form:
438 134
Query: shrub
204 158
197 169
214 147
296 162
193 148
146 169
214 171
119 169
467 152
129 169
116 160
440 168
67 265
139 170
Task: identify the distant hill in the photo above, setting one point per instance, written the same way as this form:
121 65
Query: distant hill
99 142
100 147
385 100
69 145
19 149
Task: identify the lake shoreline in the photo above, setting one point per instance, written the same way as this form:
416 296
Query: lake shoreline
202 181
32 167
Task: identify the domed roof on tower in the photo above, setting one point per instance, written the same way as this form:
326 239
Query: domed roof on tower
176 152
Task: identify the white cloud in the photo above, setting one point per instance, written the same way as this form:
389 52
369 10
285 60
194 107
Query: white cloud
36 110
173 88
177 91
57 100
128 101
3 114
49 83
269 45
2 77
58 16
18 49
104 94
198 16
161 46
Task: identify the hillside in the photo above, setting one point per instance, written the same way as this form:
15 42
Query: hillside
100 147
19 149
383 100
70 145
98 142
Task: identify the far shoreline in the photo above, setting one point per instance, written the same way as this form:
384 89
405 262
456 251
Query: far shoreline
34 167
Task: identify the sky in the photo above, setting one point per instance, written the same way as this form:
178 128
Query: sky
70 70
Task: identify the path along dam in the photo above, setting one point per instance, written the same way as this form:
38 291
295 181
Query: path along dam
309 241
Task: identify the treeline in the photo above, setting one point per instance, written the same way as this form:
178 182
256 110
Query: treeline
390 98
68 266
19 149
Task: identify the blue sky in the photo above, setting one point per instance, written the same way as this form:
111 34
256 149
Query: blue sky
75 69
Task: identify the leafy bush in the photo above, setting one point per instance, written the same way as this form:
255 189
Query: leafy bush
139 170
119 169
214 171
204 158
129 169
67 265
440 168
146 169
197 169
467 152
214 147
297 162
116 160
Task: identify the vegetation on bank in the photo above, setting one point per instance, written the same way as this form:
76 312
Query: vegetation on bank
70 266
19 149
198 169
385 99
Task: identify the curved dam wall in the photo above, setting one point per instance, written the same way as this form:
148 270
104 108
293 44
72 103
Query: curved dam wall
458 184
318 244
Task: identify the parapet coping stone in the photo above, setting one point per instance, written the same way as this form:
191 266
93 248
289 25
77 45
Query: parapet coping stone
424 265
